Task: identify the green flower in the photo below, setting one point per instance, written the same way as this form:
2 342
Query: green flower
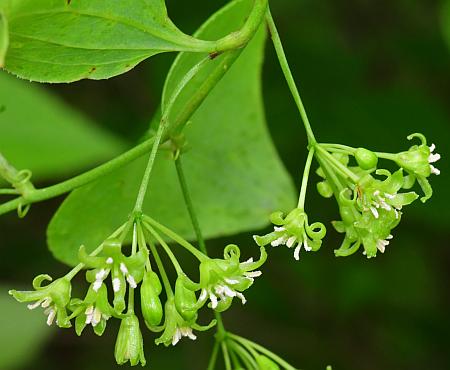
223 279
369 217
94 310
123 269
53 297
129 343
294 231
417 161
176 327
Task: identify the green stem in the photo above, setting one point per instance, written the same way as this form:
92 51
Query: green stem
221 332
189 205
177 238
288 76
162 271
167 249
226 356
133 252
345 172
162 126
38 195
213 358
240 38
263 350
302 197
244 355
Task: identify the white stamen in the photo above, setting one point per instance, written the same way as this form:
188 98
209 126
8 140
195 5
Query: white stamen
131 281
374 212
97 285
46 303
434 158
110 261
389 237
250 260
101 274
116 284
307 247
241 297
253 274
280 241
213 300
291 241
96 317
376 192
187 332
432 147
176 337
203 295
231 281
89 314
276 228
434 170
51 317
123 268
389 196
297 252
34 305
396 213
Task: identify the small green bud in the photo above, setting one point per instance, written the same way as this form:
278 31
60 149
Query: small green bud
129 344
366 159
151 306
185 301
324 189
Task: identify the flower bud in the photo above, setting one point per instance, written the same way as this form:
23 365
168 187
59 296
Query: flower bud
324 189
185 301
151 306
129 344
366 159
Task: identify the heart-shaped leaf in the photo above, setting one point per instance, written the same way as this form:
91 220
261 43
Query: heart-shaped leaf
64 40
234 173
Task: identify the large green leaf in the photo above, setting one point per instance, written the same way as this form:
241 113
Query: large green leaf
23 332
233 170
64 41
39 132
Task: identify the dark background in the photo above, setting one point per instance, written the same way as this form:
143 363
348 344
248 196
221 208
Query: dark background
370 73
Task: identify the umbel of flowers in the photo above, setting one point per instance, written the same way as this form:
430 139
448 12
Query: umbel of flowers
124 271
370 198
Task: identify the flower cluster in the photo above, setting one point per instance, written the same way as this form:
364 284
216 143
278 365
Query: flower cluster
370 199
221 280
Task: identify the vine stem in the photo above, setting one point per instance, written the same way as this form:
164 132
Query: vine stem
276 40
162 126
189 205
302 197
221 332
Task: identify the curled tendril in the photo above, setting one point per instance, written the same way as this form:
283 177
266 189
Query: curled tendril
38 280
418 135
231 251
22 210
22 177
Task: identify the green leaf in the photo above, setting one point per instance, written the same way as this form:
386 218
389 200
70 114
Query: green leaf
39 132
233 170
23 332
65 41
4 38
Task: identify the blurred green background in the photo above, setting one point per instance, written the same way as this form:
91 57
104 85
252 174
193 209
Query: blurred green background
370 73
